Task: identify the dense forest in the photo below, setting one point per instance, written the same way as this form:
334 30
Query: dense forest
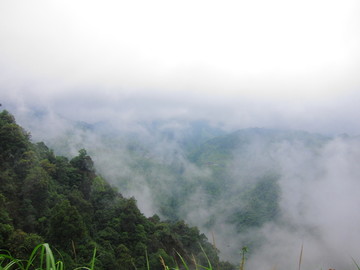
64 202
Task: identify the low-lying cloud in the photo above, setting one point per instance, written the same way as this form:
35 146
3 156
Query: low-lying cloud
318 184
125 81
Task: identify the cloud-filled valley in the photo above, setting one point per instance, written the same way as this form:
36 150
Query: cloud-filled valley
242 118
294 188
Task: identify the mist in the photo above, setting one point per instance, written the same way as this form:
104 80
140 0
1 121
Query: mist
145 87
318 207
318 183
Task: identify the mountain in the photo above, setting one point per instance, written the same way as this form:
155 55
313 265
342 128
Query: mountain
268 190
220 149
230 185
244 167
62 201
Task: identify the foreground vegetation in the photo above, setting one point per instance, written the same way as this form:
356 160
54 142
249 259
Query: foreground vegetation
42 258
46 198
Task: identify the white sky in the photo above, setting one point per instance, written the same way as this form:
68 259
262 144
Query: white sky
281 50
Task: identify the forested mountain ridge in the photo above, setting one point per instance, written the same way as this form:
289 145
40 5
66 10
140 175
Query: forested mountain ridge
228 184
49 198
236 187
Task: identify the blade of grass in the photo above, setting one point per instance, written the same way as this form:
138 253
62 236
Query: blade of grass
183 261
147 260
207 258
301 254
11 263
9 260
33 256
357 266
59 265
50 260
163 263
92 264
244 250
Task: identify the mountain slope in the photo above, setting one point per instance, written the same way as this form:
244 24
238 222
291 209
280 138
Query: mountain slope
50 198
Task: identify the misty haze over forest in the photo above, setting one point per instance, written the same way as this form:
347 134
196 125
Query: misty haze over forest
204 111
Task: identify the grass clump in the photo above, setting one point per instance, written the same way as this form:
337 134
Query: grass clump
41 258
185 265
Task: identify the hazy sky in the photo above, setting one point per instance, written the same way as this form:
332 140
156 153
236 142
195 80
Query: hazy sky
245 63
256 63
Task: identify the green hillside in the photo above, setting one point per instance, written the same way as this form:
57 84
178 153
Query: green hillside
184 171
64 202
